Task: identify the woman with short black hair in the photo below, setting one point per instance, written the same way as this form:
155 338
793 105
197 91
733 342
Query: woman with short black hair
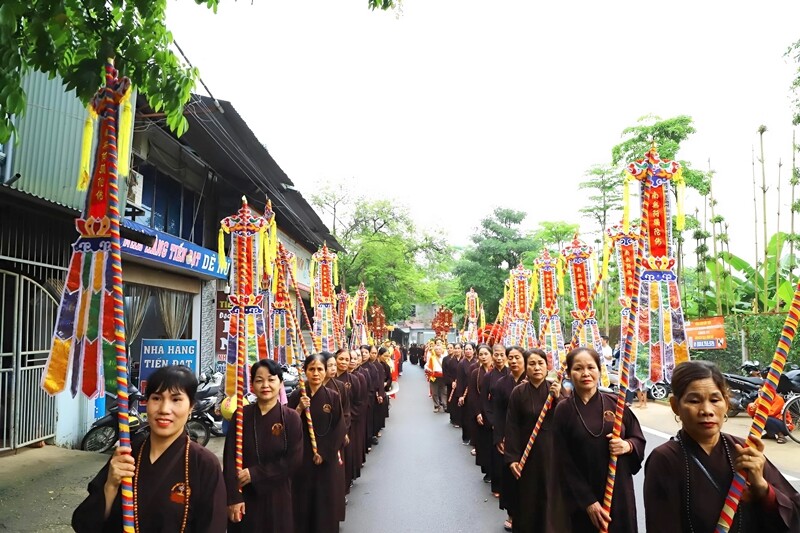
177 483
317 488
687 478
260 494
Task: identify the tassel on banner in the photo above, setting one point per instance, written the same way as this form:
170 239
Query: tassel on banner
534 287
626 202
680 221
124 135
311 267
560 275
85 170
223 263
260 256
606 257
335 270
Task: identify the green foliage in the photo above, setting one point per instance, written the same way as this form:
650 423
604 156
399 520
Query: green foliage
399 266
762 333
73 38
606 198
499 245
668 135
554 235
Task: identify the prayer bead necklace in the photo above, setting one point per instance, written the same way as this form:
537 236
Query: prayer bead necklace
688 483
602 410
186 491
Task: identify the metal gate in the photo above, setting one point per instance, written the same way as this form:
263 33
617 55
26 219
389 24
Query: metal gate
27 316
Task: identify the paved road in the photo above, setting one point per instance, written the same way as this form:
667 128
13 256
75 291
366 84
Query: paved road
420 477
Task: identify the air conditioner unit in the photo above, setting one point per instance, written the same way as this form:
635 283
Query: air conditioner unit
135 182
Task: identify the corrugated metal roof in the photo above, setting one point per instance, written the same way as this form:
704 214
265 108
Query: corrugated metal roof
48 153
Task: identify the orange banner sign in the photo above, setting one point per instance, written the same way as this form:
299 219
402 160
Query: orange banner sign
706 333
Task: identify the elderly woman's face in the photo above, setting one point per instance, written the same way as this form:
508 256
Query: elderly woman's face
701 409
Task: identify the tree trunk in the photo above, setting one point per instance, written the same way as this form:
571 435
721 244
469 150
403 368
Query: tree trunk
717 287
756 294
780 244
761 130
791 211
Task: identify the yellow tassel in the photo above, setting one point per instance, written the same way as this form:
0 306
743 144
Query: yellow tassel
259 256
534 287
274 287
335 270
124 135
223 263
681 191
626 203
560 275
311 266
84 173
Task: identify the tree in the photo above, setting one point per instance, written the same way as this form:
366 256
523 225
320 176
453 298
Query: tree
554 234
398 265
73 38
606 184
499 245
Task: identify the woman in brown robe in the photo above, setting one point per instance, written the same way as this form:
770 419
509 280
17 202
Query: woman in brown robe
352 457
317 490
686 479
450 371
375 380
465 367
494 457
165 466
477 391
344 402
360 431
501 393
583 444
539 506
260 495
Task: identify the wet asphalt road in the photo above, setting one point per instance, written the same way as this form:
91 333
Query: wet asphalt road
420 477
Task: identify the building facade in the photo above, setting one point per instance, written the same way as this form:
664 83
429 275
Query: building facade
176 194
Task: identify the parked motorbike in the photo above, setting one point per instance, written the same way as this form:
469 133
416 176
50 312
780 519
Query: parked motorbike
104 433
743 389
291 377
209 395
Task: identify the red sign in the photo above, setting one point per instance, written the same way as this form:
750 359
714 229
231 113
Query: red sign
707 333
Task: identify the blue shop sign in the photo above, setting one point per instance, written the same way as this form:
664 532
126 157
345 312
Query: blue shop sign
174 251
157 353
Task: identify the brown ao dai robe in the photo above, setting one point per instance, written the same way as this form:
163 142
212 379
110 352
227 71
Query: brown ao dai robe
318 490
272 450
158 507
540 506
582 459
667 503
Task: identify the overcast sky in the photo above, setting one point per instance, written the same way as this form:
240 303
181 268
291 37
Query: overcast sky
456 107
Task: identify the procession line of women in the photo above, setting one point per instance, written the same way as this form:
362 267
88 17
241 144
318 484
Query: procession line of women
498 394
296 469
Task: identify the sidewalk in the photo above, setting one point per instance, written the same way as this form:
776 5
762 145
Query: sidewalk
659 416
40 487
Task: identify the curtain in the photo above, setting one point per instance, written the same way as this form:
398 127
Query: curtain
137 300
175 308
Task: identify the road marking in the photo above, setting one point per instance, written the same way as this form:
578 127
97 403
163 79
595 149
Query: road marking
667 436
657 433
